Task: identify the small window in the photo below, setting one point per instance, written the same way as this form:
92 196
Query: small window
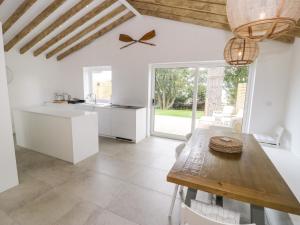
98 83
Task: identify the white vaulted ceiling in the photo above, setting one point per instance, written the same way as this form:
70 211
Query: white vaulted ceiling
8 7
210 13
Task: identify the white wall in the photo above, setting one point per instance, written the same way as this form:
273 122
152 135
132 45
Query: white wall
179 42
8 168
271 86
176 42
292 116
35 79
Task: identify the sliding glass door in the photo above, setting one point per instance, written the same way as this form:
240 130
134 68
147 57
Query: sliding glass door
198 96
173 101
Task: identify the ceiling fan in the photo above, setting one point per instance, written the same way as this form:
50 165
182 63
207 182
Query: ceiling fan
143 40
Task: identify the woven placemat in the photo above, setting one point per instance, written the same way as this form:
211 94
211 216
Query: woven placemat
225 144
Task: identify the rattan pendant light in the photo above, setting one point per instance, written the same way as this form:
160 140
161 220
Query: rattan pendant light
260 19
241 51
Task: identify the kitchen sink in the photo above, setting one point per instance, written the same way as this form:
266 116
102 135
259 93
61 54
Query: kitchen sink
124 106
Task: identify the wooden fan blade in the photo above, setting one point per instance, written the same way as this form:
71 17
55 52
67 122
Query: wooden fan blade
125 38
147 43
148 36
129 44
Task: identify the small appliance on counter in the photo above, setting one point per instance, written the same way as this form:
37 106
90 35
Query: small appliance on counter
58 97
75 101
61 96
65 98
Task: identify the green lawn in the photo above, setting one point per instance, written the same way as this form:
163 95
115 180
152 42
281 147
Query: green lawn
178 113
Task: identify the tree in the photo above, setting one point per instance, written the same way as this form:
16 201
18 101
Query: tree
201 93
202 81
234 76
171 84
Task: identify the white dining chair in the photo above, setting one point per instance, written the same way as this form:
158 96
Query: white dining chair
271 139
201 196
188 137
178 151
220 128
205 214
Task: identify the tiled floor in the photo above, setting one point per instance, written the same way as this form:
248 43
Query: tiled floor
124 184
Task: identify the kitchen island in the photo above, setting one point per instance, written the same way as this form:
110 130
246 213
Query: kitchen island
67 134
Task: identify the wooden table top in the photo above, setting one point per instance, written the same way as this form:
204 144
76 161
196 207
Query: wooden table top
249 177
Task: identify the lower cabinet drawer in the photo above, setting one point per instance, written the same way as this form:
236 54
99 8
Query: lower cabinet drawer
123 123
104 120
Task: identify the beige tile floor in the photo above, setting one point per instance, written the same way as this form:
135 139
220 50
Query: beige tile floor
124 184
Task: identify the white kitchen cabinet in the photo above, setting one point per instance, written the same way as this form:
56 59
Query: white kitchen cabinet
104 117
84 107
128 123
104 121
123 123
118 122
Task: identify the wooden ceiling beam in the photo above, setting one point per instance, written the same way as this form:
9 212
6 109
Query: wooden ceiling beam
94 12
221 2
286 38
97 35
295 32
59 21
190 16
17 14
130 7
181 12
35 22
283 38
85 31
186 19
188 5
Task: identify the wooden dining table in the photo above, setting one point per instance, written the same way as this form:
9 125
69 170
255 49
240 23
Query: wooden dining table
248 177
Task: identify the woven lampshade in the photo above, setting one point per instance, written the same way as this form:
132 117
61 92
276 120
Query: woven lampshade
260 19
240 51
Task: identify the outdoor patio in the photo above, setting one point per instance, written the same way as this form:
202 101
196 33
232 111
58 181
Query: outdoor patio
182 125
220 99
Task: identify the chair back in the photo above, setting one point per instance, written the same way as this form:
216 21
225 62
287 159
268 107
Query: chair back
228 110
240 113
219 128
278 134
237 124
179 149
190 217
188 136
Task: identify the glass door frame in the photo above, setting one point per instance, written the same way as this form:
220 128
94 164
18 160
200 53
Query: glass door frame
197 66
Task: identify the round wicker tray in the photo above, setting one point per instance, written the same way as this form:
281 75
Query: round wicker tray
225 144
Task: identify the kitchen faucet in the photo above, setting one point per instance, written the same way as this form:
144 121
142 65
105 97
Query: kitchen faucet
92 97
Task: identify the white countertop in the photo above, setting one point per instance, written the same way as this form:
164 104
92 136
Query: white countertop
95 105
53 111
112 106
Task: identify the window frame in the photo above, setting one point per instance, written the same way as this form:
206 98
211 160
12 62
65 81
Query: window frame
88 81
198 64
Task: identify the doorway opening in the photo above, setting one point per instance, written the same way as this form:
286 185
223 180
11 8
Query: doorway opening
186 96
